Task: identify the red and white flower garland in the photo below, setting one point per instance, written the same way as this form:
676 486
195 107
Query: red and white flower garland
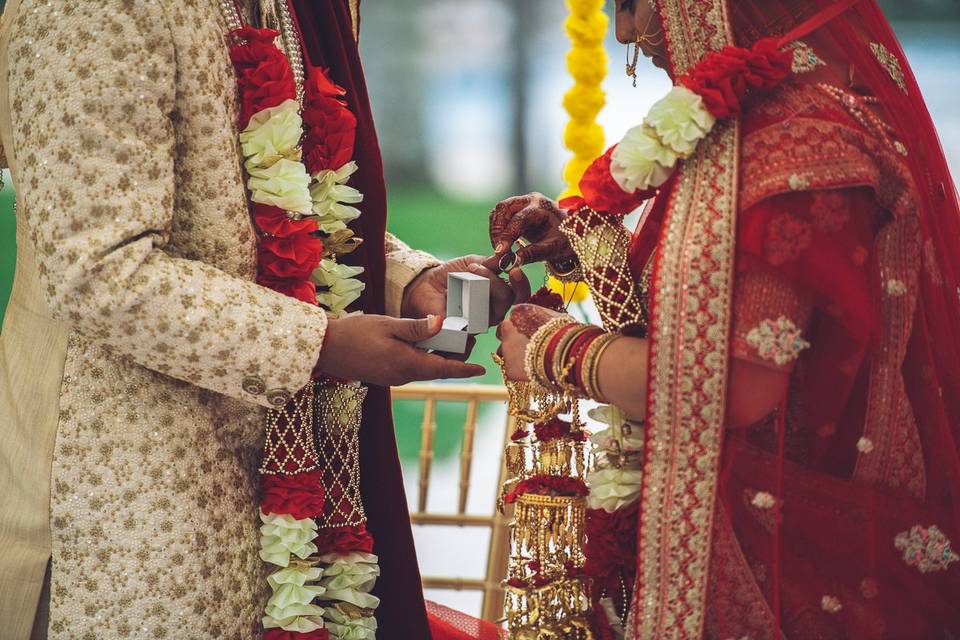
298 167
632 170
617 183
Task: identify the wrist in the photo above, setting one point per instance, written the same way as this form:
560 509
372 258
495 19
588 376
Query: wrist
326 356
407 303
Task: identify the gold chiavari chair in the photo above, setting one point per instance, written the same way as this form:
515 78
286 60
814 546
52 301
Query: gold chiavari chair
496 568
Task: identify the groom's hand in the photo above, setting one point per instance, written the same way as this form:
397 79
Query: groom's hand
427 294
379 350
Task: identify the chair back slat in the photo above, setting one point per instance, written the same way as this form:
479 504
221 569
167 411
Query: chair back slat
466 453
496 569
427 428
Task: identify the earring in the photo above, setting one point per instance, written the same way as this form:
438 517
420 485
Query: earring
632 65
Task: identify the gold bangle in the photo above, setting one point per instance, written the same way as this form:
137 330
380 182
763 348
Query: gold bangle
533 356
590 370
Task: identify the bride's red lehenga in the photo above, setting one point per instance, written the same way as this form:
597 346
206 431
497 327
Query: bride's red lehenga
838 517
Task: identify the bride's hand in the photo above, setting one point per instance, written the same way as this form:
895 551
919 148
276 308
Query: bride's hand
515 333
536 218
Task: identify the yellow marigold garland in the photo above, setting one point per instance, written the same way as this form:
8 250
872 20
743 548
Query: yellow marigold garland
586 27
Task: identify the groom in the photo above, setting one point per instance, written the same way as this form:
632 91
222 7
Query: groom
138 354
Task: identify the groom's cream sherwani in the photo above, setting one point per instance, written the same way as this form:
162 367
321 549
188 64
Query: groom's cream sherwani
137 354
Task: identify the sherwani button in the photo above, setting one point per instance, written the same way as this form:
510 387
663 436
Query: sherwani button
278 397
254 385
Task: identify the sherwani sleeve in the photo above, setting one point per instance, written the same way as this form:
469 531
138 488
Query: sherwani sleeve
403 265
94 132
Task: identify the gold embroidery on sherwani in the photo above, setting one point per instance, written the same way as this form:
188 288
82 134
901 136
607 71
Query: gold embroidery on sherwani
688 363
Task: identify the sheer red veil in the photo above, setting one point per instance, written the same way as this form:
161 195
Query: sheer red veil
862 541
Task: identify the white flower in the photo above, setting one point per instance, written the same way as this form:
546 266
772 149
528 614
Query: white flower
680 120
611 489
864 445
831 604
299 624
622 436
344 627
357 571
282 535
283 184
332 197
641 161
290 607
272 134
329 272
763 500
340 295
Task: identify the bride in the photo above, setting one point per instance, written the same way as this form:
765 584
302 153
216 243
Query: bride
782 326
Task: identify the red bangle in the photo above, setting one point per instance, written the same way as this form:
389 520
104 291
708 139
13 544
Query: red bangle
575 356
551 347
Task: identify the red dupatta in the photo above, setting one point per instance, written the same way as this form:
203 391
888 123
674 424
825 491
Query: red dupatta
863 468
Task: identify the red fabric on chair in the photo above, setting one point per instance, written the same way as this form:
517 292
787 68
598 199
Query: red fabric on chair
450 624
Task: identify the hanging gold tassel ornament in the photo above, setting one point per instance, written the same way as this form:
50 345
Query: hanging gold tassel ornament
546 592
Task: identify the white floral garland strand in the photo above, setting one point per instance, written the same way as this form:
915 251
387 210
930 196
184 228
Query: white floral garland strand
612 488
648 154
277 176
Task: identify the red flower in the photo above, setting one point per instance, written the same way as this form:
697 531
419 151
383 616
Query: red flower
264 76
724 77
280 634
344 540
602 193
547 299
293 256
319 85
519 434
330 134
611 547
300 495
547 486
301 289
555 429
276 222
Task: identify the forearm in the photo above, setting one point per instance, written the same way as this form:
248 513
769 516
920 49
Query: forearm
622 375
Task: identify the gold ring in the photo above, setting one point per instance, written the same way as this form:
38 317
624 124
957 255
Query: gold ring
511 261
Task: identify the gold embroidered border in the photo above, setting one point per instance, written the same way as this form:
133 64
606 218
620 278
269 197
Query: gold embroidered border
738 607
693 285
891 455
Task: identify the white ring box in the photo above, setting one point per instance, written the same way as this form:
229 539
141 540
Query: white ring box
468 313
